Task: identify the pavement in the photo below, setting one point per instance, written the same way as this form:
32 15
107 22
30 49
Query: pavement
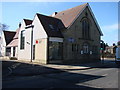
25 68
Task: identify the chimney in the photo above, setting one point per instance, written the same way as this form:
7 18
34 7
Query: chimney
54 14
19 25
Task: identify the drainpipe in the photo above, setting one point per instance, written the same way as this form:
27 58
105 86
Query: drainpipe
31 26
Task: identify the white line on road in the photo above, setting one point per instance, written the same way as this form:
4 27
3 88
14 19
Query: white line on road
104 74
10 70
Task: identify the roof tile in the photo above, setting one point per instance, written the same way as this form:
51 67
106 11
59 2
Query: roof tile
69 15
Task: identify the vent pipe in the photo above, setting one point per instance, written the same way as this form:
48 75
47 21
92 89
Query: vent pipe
54 14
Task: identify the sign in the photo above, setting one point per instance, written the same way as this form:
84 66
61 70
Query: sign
36 41
71 39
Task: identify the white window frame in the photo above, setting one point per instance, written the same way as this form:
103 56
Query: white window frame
85 49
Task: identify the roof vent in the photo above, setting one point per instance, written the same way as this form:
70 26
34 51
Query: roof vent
51 26
54 14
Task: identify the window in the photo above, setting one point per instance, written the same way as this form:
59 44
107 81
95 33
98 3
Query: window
95 49
85 29
55 50
8 51
85 49
75 47
22 39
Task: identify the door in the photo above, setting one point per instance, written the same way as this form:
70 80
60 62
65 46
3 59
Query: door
14 51
33 52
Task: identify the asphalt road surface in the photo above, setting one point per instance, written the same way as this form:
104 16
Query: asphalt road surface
94 78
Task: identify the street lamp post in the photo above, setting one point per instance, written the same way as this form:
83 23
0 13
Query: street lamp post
31 26
102 49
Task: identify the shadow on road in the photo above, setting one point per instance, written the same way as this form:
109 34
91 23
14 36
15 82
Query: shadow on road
63 79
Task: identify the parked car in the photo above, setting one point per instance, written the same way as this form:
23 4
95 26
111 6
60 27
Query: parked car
117 59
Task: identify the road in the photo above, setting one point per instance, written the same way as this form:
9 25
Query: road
94 78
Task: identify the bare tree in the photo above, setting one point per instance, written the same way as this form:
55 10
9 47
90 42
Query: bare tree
3 27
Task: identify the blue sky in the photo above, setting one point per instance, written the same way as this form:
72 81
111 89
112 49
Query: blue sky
106 14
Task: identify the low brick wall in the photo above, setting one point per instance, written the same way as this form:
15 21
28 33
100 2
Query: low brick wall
109 55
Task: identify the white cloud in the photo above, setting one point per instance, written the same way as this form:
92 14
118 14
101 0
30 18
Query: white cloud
110 27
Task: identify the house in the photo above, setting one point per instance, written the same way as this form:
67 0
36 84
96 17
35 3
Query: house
70 36
13 45
111 49
82 36
24 41
1 45
5 39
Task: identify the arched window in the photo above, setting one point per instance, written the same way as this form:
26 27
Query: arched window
85 29
85 48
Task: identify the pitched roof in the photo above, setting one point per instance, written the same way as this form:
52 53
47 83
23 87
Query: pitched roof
17 33
13 43
8 36
27 21
51 25
69 15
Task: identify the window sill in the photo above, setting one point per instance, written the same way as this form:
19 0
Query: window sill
85 39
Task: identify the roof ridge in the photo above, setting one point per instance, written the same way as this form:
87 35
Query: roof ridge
8 31
47 16
69 16
27 19
74 7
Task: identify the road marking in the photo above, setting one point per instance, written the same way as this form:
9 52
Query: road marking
9 70
104 74
88 85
